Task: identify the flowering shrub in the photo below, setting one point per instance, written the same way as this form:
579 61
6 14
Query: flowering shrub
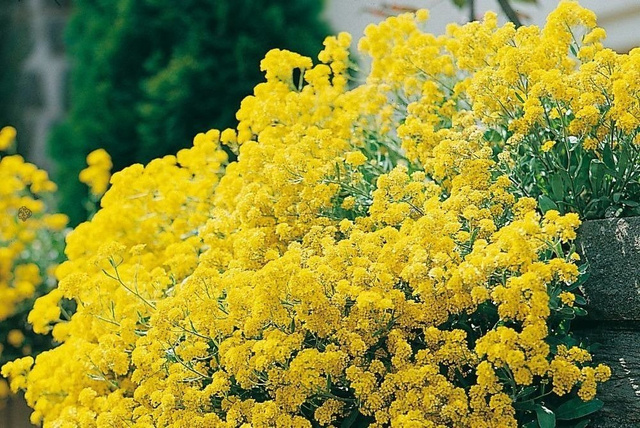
31 241
363 262
569 122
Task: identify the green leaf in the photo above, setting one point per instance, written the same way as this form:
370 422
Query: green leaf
581 280
525 405
567 312
573 50
525 392
349 420
546 203
546 418
576 408
582 424
580 311
581 177
554 341
607 157
492 136
557 187
596 175
623 161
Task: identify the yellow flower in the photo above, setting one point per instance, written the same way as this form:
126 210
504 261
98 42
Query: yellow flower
97 174
228 136
56 221
7 137
548 145
100 158
567 298
30 238
355 159
422 15
15 338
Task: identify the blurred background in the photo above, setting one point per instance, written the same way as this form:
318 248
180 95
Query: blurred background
141 77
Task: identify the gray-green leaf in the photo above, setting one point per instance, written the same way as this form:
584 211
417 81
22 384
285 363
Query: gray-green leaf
546 203
546 418
576 408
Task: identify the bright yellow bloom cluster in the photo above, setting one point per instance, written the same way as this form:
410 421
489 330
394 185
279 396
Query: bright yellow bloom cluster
363 259
567 108
23 220
97 174
7 137
29 234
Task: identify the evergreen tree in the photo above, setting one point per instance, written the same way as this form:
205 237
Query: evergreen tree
147 75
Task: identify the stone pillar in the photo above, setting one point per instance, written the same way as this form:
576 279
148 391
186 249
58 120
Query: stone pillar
33 79
44 76
612 248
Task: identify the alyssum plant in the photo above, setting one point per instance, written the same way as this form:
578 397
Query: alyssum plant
368 260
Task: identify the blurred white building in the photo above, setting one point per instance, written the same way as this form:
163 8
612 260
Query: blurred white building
620 18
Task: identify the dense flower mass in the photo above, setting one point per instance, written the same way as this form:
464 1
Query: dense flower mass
566 109
363 262
30 238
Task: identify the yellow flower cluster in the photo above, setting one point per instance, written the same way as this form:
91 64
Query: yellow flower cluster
29 233
97 174
7 137
363 260
566 107
23 186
